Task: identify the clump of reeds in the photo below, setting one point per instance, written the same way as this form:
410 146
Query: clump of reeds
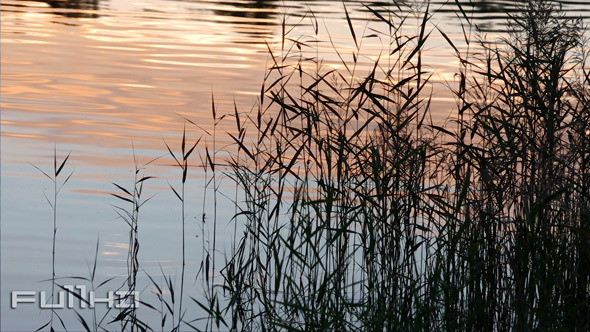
356 212
335 190
358 218
521 252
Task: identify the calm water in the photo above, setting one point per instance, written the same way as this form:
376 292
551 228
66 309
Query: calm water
99 78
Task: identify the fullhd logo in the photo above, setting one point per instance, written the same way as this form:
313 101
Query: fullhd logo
75 296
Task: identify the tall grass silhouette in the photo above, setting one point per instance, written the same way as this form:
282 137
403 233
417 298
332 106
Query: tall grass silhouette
130 215
525 148
359 218
356 211
58 167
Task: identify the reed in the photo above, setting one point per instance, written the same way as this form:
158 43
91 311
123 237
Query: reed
57 187
133 197
97 322
183 165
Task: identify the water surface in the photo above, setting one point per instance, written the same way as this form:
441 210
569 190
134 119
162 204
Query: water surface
101 79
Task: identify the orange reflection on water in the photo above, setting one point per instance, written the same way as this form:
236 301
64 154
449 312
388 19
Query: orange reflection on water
97 75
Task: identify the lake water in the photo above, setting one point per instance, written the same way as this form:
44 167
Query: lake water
102 79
